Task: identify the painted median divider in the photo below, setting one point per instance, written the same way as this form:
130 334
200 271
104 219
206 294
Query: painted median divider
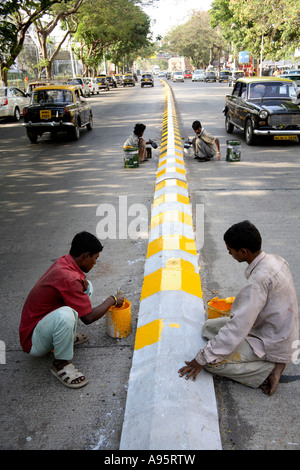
164 411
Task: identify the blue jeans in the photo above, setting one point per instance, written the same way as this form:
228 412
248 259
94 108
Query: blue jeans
56 332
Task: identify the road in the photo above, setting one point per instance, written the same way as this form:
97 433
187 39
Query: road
264 188
54 189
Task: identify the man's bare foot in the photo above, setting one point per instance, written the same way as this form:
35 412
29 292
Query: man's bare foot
270 384
59 365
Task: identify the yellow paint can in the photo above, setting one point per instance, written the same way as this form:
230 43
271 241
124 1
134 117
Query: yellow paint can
118 320
219 307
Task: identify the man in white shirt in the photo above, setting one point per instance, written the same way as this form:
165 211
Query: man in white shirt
205 146
254 344
136 140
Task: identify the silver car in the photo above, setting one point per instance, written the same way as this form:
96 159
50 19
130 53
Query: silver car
12 102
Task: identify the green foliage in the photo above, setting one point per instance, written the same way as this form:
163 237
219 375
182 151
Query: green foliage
195 39
245 22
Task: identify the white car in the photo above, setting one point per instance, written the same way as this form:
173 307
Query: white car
12 102
178 76
88 86
198 75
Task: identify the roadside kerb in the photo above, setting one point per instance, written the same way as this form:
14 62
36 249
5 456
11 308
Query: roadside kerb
163 411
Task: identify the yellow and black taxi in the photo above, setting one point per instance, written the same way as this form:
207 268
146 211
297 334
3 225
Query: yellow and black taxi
128 79
263 107
147 79
102 82
57 108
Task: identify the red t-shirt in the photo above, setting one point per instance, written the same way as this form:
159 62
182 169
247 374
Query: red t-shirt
62 285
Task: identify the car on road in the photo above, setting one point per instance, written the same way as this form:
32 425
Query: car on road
296 79
188 74
210 76
147 79
80 82
290 72
57 108
263 106
111 81
178 76
234 76
89 86
128 79
102 82
224 76
12 102
198 75
119 79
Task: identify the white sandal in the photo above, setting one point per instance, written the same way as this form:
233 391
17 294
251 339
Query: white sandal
67 374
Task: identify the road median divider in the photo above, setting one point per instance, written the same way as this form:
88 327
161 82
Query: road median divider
164 411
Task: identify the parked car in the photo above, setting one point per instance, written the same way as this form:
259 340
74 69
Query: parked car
198 75
296 79
119 79
178 76
77 81
187 74
93 87
57 108
147 79
35 83
234 76
88 86
224 76
210 76
263 106
128 79
111 81
290 72
12 102
102 82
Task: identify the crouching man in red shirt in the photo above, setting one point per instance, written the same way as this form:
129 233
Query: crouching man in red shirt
59 298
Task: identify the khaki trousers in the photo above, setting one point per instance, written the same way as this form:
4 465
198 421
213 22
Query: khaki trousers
242 365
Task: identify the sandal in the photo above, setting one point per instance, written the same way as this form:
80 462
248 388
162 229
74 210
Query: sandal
80 338
67 374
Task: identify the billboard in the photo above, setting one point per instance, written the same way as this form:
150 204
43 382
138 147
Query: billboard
244 57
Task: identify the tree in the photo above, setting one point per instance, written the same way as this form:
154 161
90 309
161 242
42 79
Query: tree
247 22
57 14
14 23
103 30
195 39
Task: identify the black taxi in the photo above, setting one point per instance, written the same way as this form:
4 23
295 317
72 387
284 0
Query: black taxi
263 107
57 108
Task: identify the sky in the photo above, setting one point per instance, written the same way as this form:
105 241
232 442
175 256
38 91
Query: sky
170 13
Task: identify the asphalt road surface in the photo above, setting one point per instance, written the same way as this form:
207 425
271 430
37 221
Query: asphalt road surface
56 188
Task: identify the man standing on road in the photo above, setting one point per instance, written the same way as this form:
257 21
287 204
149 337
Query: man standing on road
255 343
204 144
50 313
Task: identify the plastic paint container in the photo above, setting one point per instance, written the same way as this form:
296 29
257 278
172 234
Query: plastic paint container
118 320
233 151
219 307
131 157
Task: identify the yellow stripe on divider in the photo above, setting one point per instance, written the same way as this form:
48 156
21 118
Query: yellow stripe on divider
172 242
171 197
171 216
179 274
171 170
170 182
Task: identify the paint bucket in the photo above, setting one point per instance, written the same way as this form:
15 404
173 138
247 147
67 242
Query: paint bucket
233 151
118 320
219 307
131 157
